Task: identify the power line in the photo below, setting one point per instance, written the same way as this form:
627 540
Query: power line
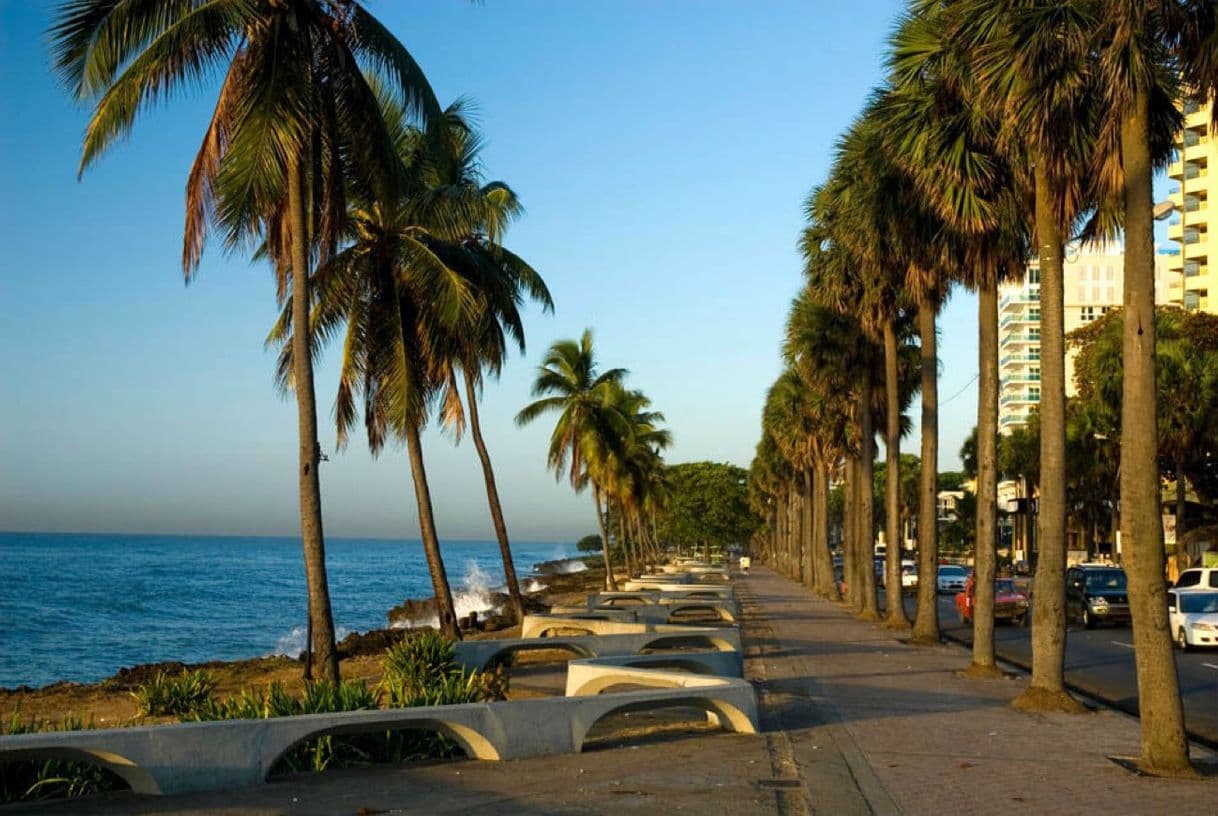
962 390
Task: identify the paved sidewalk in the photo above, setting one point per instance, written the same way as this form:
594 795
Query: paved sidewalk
916 737
853 720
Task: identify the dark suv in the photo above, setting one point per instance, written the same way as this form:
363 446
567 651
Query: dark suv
1095 593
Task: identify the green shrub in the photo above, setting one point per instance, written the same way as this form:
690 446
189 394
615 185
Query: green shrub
23 780
174 695
423 671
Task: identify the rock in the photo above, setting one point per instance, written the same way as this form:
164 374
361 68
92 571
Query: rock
373 642
412 611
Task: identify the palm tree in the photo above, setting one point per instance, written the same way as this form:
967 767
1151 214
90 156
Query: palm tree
1030 60
417 272
294 114
949 146
584 399
479 213
1143 43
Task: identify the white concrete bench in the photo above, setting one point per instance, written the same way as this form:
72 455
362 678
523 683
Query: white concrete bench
228 754
479 654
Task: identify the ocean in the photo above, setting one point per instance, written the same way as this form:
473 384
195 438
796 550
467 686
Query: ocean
79 607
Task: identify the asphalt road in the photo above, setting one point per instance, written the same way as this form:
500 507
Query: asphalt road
1100 664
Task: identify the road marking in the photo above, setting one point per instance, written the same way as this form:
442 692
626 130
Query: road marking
1119 643
1209 665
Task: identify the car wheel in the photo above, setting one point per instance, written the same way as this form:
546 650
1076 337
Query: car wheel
1181 640
1022 620
1089 621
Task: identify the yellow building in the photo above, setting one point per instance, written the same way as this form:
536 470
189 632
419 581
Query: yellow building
1192 279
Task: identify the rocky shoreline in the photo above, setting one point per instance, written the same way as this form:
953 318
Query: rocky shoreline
109 703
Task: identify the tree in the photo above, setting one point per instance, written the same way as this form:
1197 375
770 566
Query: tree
707 506
584 399
476 214
294 117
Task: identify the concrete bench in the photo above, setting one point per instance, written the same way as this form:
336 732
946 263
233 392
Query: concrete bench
212 756
478 654
593 675
540 626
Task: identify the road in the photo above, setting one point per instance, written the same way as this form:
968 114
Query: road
1100 663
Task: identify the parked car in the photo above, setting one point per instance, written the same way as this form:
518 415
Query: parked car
1198 577
909 576
1009 603
1095 593
1193 615
951 578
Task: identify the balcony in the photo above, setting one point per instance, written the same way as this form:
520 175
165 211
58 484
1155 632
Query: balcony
1188 171
1017 359
1018 317
1022 298
1020 398
1193 269
1020 339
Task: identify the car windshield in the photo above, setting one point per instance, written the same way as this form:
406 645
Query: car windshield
951 571
1199 602
1004 586
1106 579
1189 578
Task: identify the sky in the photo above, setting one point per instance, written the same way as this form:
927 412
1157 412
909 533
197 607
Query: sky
663 152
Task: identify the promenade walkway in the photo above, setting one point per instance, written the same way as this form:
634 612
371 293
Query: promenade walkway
854 721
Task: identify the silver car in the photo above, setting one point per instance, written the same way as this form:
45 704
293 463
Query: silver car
951 578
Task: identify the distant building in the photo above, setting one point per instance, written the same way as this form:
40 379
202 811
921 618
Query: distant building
1093 278
1192 281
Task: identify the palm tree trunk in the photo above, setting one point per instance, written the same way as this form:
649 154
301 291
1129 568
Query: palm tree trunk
808 525
320 644
492 498
1164 744
1049 585
780 544
866 491
849 534
824 571
926 621
624 540
610 580
986 558
446 613
895 616
1181 499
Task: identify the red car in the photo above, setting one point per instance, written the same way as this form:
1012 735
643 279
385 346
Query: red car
1009 603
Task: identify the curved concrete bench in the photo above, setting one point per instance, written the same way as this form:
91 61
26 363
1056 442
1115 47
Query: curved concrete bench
670 586
478 654
689 669
235 753
540 626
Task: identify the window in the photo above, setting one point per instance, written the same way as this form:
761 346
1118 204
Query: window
1109 294
1034 276
1034 353
1088 314
1034 333
1034 314
1033 395
1108 274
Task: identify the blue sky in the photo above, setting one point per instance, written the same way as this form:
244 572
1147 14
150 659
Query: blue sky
662 150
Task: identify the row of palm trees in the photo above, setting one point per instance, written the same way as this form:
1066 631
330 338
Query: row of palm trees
606 436
328 155
1004 130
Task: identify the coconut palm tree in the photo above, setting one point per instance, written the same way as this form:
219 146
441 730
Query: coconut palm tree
295 119
455 187
570 383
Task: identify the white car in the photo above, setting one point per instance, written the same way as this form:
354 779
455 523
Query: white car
909 575
1193 615
1198 577
951 578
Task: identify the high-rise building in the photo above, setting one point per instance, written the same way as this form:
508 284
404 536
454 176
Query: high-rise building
1192 280
1093 278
